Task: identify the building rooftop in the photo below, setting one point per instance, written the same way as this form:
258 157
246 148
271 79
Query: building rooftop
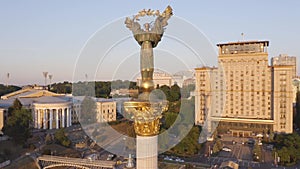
243 47
245 42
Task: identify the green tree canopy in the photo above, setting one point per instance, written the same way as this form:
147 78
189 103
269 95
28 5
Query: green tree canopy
61 138
172 93
175 93
288 148
7 89
170 118
189 145
18 123
17 105
297 116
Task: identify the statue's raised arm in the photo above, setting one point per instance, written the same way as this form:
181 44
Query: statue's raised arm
162 20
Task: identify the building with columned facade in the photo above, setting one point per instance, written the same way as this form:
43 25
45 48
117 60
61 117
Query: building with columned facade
245 94
3 116
53 111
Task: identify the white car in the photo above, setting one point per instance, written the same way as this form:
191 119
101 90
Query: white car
168 158
226 149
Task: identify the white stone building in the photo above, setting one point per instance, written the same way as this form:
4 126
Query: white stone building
161 78
53 111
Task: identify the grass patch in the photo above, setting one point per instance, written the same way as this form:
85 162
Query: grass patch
11 150
123 127
23 163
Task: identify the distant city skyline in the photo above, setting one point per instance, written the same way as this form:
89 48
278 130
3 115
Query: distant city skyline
48 36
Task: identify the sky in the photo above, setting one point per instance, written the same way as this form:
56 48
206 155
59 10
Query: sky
70 38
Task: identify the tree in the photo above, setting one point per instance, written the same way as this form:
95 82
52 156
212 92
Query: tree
166 90
7 89
217 146
284 155
61 138
189 145
297 116
17 105
257 152
65 87
103 89
175 93
169 118
88 111
48 139
172 94
288 148
18 123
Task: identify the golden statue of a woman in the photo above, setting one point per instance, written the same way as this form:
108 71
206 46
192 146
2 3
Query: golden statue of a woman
148 38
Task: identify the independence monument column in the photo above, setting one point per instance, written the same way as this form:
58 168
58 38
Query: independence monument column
147 110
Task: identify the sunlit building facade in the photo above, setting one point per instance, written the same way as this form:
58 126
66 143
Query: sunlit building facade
244 94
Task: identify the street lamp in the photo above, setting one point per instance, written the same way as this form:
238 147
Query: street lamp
45 76
50 78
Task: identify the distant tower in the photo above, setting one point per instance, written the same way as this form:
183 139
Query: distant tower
45 76
50 78
7 79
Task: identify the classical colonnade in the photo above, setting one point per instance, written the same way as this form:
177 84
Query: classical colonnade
50 116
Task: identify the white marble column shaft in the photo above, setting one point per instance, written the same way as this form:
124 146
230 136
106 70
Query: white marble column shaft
39 118
147 152
63 118
45 119
57 117
68 118
51 119
36 116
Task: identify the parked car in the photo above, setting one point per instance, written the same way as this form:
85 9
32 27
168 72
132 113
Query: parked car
226 149
110 157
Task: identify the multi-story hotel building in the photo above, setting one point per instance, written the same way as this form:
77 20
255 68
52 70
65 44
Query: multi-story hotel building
284 59
244 94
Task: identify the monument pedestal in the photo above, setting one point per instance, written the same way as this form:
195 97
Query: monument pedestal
146 152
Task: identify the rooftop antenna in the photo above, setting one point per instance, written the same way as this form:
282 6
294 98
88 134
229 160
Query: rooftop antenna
45 76
50 78
7 79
